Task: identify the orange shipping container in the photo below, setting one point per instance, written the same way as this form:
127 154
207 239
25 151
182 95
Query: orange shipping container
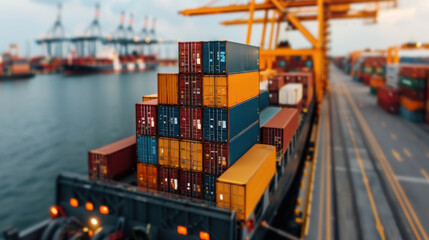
377 81
168 152
229 90
412 105
191 155
149 97
168 88
20 68
241 186
147 176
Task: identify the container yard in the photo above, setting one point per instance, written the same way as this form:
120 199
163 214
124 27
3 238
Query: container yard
271 136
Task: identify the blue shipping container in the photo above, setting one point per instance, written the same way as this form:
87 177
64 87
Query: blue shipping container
209 188
147 150
241 143
168 121
264 100
267 114
222 57
417 116
221 125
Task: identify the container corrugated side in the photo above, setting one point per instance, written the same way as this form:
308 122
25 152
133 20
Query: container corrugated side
168 89
168 179
229 90
221 125
169 152
147 150
191 90
146 116
191 155
222 57
416 84
147 176
219 156
168 121
280 130
242 185
191 121
264 100
114 160
190 57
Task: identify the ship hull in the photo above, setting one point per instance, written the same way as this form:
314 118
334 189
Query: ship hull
16 76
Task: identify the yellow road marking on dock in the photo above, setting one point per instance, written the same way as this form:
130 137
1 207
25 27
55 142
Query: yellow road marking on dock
365 180
408 153
383 124
393 136
397 156
393 181
424 173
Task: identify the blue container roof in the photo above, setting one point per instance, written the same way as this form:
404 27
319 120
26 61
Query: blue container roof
267 114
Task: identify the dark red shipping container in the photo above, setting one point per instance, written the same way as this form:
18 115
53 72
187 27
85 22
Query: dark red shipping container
168 179
388 94
390 107
215 157
280 130
191 90
274 97
191 184
146 117
365 78
417 95
191 123
113 161
414 71
190 57
275 83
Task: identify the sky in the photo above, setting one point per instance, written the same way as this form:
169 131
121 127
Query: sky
23 21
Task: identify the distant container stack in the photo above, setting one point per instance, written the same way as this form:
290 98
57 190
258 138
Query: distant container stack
413 87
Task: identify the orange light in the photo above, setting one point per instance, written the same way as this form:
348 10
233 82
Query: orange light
104 209
54 212
89 206
74 202
204 236
182 230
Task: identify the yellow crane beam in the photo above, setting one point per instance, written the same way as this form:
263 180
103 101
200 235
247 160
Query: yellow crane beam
267 6
362 14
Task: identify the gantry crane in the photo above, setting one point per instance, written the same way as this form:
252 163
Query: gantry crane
295 12
393 52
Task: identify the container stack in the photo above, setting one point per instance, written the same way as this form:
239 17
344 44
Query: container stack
412 90
293 64
303 78
203 120
373 66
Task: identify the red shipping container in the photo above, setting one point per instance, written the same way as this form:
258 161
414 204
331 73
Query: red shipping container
280 130
215 157
146 117
365 78
190 57
147 176
114 160
191 184
275 83
417 95
168 179
274 97
191 123
390 107
191 90
388 94
414 71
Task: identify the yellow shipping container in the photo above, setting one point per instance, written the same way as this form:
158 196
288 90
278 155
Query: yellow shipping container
168 88
168 152
191 155
241 186
150 97
229 90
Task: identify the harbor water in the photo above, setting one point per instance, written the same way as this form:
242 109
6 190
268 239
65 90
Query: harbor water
47 126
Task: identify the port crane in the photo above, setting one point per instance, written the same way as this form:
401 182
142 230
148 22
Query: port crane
295 13
55 37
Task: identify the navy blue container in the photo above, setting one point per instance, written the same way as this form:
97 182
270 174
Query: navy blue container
222 57
168 121
147 150
417 116
264 100
209 188
267 114
221 125
241 143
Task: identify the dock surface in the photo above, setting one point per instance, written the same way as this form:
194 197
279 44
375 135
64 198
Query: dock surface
371 176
